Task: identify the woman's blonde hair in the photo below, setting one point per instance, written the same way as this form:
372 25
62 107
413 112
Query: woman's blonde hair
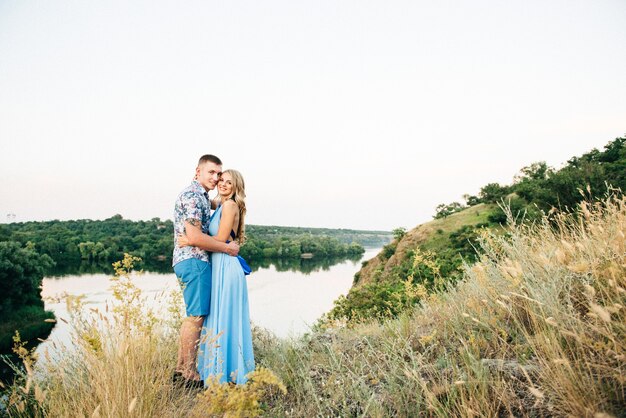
239 196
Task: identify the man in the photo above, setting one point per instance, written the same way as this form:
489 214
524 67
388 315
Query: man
192 264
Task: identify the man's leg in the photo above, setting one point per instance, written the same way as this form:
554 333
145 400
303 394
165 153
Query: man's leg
195 278
188 347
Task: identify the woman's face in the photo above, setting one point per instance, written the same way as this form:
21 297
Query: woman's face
225 185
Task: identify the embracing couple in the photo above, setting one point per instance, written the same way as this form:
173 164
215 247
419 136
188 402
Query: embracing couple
215 336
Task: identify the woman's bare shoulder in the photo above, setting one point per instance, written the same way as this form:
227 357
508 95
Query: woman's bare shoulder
230 206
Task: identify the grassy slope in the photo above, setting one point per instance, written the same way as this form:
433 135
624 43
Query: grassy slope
427 236
471 216
536 328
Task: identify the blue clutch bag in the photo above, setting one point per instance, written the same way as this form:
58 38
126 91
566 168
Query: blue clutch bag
246 268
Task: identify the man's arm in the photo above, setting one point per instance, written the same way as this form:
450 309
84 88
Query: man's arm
197 238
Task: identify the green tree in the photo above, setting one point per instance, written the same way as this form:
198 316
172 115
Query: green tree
534 172
493 192
443 210
398 233
21 273
87 250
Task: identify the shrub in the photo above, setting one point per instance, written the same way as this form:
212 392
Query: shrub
388 250
224 399
398 233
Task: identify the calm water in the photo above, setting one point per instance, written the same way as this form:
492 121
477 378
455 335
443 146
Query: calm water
286 302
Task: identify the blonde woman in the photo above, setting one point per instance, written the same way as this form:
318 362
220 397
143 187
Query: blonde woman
225 349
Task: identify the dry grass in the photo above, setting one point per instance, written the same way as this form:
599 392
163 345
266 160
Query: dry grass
536 328
120 363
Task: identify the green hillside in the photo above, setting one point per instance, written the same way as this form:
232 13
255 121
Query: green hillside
437 236
431 256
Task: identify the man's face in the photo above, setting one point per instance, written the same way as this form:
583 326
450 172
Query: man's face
208 174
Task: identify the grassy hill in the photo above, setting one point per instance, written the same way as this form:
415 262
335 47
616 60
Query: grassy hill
431 256
426 258
535 328
431 236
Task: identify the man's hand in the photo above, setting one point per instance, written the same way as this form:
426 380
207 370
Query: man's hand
196 238
232 248
182 240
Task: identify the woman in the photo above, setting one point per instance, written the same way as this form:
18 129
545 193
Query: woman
225 348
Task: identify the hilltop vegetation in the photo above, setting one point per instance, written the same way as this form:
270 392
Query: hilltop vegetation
432 254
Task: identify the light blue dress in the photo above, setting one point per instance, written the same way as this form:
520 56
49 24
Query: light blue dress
225 347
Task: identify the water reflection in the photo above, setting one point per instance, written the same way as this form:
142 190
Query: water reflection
86 267
302 265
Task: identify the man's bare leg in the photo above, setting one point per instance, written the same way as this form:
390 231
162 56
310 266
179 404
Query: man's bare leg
188 347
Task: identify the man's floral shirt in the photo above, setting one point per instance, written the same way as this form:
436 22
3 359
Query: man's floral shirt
192 203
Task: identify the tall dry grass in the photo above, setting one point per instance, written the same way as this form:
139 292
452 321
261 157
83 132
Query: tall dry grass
120 363
536 328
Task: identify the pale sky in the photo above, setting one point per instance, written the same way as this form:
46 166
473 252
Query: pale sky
343 114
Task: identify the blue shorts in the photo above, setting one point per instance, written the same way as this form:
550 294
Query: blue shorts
194 277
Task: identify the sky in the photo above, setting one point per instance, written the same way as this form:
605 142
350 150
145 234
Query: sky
342 114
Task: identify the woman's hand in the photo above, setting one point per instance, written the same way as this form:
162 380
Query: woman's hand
182 241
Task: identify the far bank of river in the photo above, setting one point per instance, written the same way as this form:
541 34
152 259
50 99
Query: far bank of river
284 302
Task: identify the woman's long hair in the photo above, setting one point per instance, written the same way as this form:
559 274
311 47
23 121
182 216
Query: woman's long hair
239 196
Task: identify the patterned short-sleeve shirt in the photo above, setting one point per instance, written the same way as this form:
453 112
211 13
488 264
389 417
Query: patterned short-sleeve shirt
192 203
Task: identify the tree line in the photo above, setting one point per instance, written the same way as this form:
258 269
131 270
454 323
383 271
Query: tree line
70 243
538 187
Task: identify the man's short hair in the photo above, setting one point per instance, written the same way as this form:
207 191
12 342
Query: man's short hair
209 158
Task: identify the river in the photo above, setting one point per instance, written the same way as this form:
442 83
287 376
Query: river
285 301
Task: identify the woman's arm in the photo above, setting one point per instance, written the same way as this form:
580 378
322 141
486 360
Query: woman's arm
230 210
